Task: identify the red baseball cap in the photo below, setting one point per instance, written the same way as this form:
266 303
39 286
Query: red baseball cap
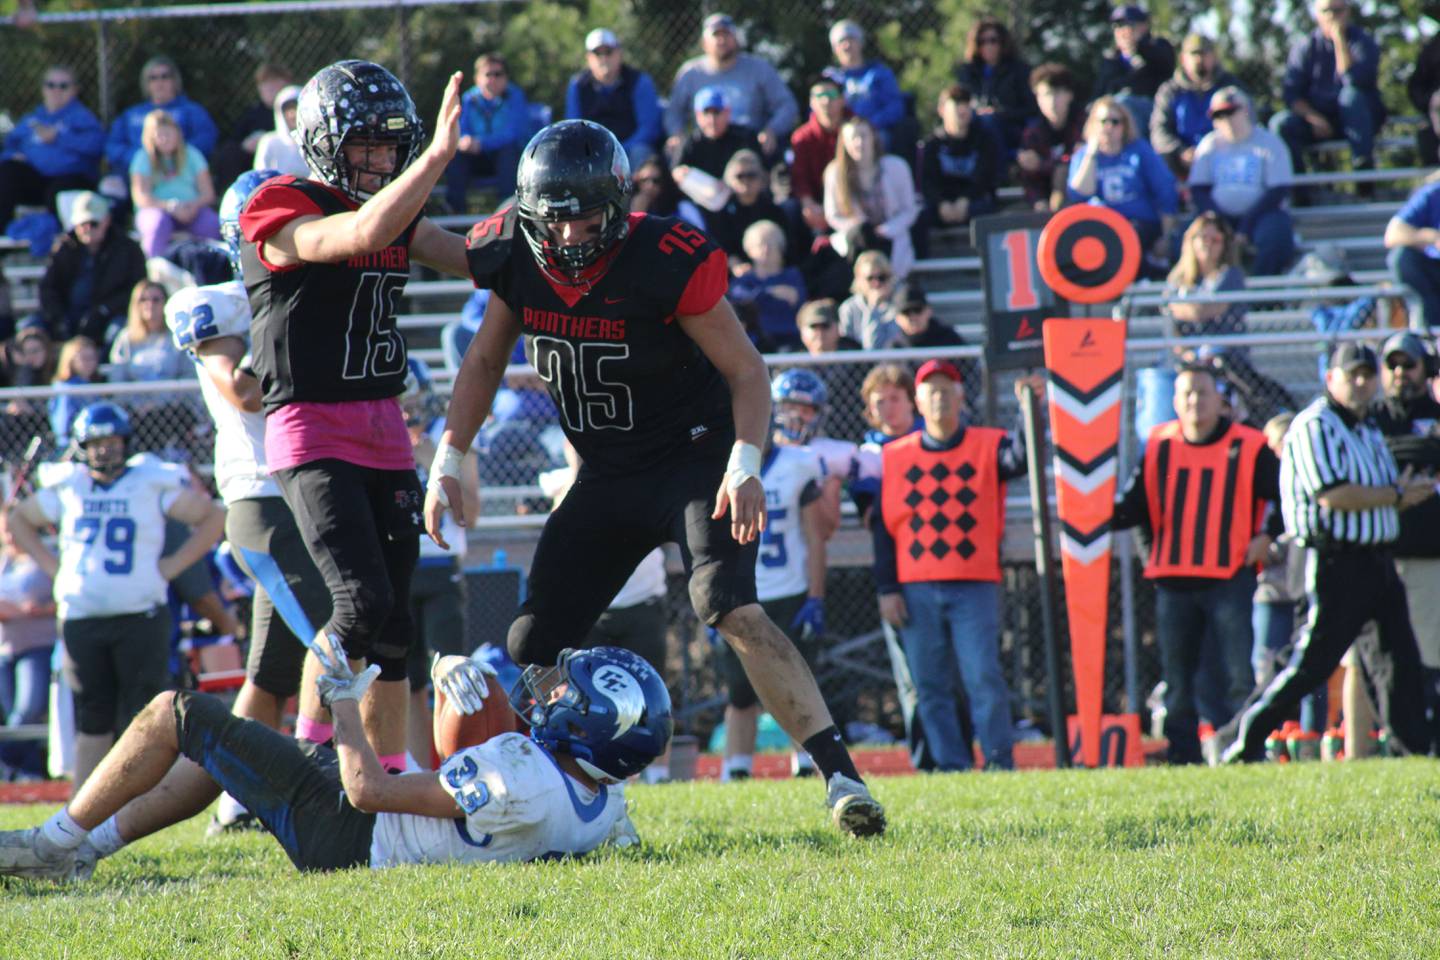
931 367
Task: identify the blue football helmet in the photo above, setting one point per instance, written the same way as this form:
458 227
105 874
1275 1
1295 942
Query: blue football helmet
606 707
798 385
94 422
232 203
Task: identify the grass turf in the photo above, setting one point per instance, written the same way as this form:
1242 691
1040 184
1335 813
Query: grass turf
1311 860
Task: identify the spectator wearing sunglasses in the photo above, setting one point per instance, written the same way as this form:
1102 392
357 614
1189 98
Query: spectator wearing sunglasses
868 315
812 147
162 88
52 148
1243 172
494 125
1000 81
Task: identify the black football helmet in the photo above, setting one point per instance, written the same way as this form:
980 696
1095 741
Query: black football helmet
355 100
568 170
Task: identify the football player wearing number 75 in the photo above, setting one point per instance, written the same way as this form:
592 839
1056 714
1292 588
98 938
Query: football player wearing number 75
668 405
110 578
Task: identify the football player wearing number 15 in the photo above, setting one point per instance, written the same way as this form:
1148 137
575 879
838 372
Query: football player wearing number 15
110 579
665 400
325 261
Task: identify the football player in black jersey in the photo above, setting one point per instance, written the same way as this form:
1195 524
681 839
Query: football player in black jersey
666 401
325 261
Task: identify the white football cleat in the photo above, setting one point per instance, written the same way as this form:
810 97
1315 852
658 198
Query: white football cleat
853 809
25 853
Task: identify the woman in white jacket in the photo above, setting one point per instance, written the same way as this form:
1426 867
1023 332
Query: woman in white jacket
870 199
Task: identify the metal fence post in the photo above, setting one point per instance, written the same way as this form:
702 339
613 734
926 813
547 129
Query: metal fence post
102 67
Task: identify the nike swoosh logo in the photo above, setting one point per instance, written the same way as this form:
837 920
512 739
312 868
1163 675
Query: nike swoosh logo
614 299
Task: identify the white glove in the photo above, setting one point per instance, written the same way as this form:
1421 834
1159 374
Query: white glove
338 681
463 681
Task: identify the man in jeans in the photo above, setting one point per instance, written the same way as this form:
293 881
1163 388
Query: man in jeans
1199 494
937 563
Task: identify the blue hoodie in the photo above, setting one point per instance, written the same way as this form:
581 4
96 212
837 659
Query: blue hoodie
75 149
199 130
497 123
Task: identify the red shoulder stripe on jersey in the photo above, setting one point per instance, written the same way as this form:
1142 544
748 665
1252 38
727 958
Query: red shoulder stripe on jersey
275 204
707 285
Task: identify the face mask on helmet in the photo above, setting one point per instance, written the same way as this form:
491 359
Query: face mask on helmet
799 424
605 707
799 403
105 456
571 171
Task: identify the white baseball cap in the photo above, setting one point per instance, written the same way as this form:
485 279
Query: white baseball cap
600 37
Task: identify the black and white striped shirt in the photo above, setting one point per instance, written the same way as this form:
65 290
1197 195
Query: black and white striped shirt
1327 448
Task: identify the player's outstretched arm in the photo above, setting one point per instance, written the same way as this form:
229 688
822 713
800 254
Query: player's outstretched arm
718 334
437 247
25 520
384 216
481 371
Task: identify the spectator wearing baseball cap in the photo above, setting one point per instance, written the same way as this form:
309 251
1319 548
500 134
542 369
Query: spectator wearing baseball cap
1406 415
617 96
1242 172
871 90
1342 495
937 534
90 274
1413 238
715 139
819 325
757 96
1182 104
1136 66
916 320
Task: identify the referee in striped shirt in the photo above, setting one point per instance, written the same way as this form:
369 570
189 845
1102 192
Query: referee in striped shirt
1341 495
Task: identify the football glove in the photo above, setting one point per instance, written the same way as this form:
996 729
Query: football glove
810 620
464 681
338 681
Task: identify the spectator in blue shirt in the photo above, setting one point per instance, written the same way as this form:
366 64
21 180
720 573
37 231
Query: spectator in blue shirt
1413 238
871 90
494 127
993 71
617 96
767 288
1136 66
1331 87
1116 169
52 148
160 83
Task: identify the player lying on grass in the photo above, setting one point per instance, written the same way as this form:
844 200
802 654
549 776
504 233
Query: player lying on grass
597 717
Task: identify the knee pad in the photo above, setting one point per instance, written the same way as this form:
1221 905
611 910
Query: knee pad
359 618
526 645
392 667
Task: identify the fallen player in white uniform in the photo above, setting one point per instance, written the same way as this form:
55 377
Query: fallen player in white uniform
597 717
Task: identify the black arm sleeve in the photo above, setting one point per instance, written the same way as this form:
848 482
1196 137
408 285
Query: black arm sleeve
1133 507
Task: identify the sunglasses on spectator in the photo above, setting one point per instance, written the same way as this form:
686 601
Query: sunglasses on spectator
819 325
1400 363
749 175
160 75
825 93
1224 112
494 73
878 278
58 84
603 51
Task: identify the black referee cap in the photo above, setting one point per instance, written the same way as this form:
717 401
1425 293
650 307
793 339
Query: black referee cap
1348 356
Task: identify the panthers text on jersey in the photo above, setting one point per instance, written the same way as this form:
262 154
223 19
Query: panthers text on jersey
630 385
194 316
791 477
111 537
322 332
518 805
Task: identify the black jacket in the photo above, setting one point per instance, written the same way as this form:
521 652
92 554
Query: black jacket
115 269
1141 75
1412 432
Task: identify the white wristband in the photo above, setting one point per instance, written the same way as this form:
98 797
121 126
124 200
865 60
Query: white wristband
446 464
744 464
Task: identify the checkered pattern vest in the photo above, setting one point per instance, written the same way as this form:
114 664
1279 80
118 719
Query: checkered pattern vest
945 508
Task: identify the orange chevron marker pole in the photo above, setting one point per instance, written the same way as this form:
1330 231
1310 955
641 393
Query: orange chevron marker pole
1087 254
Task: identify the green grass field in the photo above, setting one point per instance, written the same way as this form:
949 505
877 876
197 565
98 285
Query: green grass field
1333 860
